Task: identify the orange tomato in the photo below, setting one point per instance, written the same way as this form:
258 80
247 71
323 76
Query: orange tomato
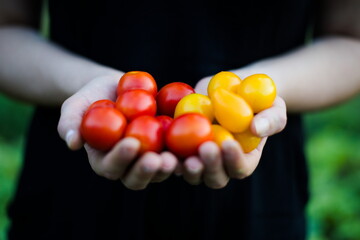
231 111
195 103
247 140
258 90
186 133
221 134
224 79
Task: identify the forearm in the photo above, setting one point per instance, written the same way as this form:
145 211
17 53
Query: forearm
315 76
36 70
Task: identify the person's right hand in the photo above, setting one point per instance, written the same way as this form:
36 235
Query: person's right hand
122 162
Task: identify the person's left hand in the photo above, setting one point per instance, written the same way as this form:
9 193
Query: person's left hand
215 165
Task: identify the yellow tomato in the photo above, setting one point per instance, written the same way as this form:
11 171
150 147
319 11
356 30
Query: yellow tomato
247 140
221 134
258 90
231 111
227 80
195 103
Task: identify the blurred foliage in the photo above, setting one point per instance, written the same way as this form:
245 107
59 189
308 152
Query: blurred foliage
333 151
14 119
13 116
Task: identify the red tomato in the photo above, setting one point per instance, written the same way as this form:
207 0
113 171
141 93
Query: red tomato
137 80
135 103
103 127
170 95
186 133
149 131
102 103
165 121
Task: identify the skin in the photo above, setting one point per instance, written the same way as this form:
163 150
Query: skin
307 71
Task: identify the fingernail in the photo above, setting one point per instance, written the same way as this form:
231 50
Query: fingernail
262 126
69 137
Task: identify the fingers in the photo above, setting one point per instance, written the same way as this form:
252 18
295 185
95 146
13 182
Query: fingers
238 164
192 170
214 173
113 164
143 171
271 120
120 163
169 163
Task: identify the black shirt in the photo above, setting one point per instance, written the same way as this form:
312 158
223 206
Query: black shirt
60 197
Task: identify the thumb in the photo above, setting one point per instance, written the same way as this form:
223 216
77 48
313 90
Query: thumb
270 121
72 111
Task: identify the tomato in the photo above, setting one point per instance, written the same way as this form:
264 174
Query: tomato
195 102
258 90
186 133
149 131
165 121
221 134
169 95
135 103
231 110
103 127
101 103
228 80
137 80
247 140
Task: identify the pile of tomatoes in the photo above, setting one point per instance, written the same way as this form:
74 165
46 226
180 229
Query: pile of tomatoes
175 117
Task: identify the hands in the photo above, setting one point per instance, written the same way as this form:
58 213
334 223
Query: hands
213 165
122 161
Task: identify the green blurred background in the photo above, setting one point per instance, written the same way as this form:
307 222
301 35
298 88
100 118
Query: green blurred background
332 148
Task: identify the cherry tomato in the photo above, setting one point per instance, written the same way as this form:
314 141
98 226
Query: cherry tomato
258 90
169 95
228 80
221 134
149 131
231 110
103 127
247 140
135 103
195 102
102 103
186 133
137 80
165 121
